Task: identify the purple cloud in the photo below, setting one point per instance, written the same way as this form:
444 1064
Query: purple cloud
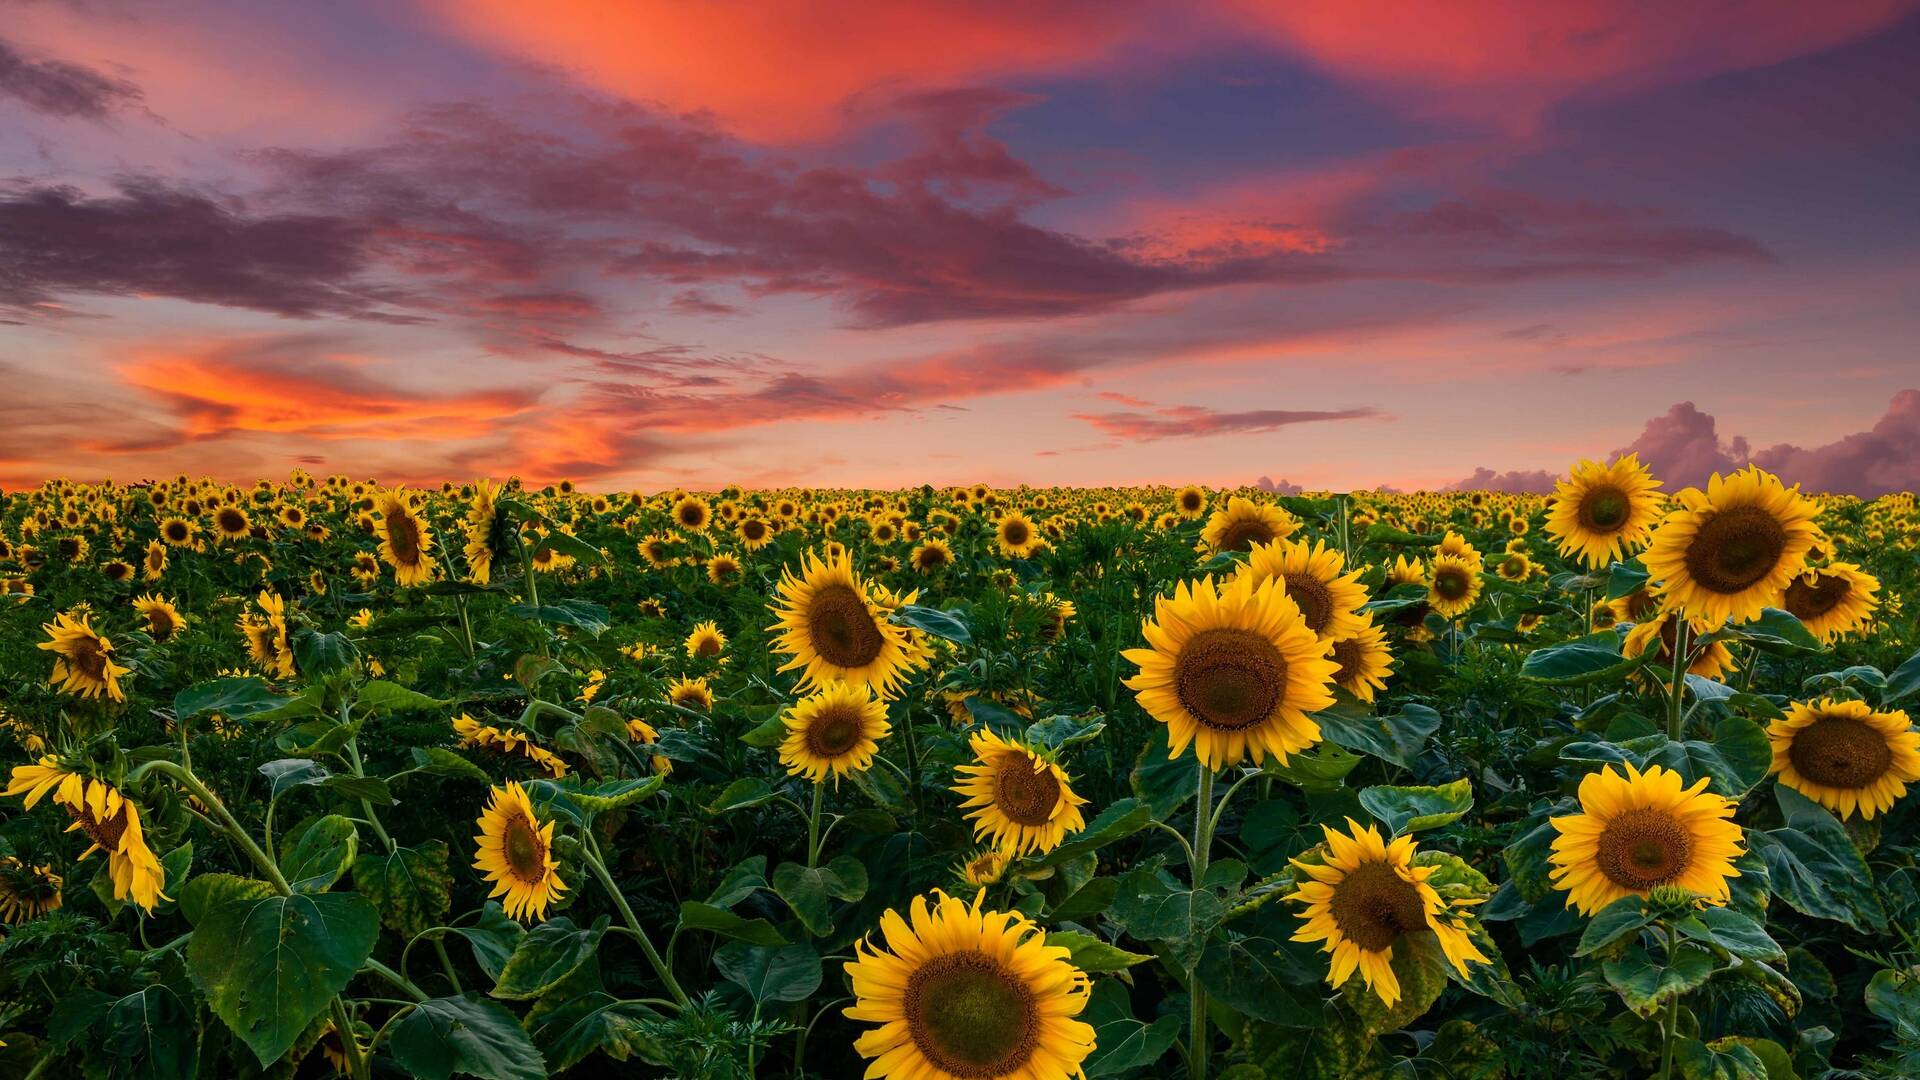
62 89
1683 448
1193 421
1518 481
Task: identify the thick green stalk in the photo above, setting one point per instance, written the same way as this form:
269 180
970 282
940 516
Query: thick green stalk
1676 718
1197 994
591 852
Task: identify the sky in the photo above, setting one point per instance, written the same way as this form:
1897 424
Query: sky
644 244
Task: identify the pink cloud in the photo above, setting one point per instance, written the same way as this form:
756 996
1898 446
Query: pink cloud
1683 448
1529 481
1195 421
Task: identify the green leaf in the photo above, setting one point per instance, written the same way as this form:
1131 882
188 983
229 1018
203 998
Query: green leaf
317 737
268 966
442 762
1387 534
411 886
1775 631
1723 1059
1163 781
468 1035
1151 909
1624 916
1094 955
1117 822
767 734
1730 930
1592 659
1397 738
1319 771
320 654
151 1035
770 973
698 916
209 891
569 545
370 789
941 624
1060 732
234 698
1645 984
1258 977
1813 865
547 954
743 880
1122 1043
1903 683
1738 758
292 772
320 853
741 794
580 614
1414 809
807 889
1421 969
492 939
576 1021
1623 578
1894 996
385 697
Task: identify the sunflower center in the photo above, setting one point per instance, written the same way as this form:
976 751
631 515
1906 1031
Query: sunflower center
525 852
1643 849
1806 601
1015 533
970 1016
1242 535
1025 795
105 833
1373 906
1229 680
841 628
1310 593
1190 501
177 531
232 521
833 732
89 658
1841 752
1735 548
404 537
1350 656
159 624
1604 509
1450 582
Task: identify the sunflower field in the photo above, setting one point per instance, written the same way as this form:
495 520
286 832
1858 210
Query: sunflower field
324 777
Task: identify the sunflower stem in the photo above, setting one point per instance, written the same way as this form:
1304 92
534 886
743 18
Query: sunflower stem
591 852
186 779
1676 720
1672 1024
356 1065
813 825
400 981
1202 843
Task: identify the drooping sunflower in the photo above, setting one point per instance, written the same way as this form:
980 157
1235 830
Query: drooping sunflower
1021 802
1366 896
1015 535
1365 662
1453 585
1234 671
515 852
405 541
834 731
1328 600
723 569
1832 600
1602 512
1714 661
267 637
1190 501
1243 523
1845 756
706 642
109 819
1733 549
961 993
27 891
509 741
163 619
1643 830
932 555
84 663
831 627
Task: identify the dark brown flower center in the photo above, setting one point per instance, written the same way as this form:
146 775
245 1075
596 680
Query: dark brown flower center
1025 795
105 833
89 658
970 1016
403 536
1451 582
1735 548
1841 752
834 732
1190 501
1350 656
931 556
525 852
1229 680
1313 598
1244 534
1015 533
231 521
1604 509
177 532
1806 601
841 628
160 624
1643 849
1372 906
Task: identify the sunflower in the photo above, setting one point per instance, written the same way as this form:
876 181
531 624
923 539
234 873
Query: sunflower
1234 671
1514 566
1244 523
657 550
1365 662
117 570
691 694
1021 802
706 642
231 523
1405 571
366 567
831 627
267 639
754 533
405 540
1715 661
85 659
154 563
1453 585
932 555
1731 551
984 867
1190 502
27 891
836 729
1015 535
1640 831
961 993
108 818
163 619
509 742
178 531
1844 756
1365 897
691 514
1832 600
1601 512
485 530
515 852
723 569
1328 600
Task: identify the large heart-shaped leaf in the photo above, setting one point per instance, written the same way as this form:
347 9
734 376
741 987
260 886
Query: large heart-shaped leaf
268 966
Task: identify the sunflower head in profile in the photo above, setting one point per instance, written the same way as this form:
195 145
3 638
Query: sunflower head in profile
109 819
405 540
486 531
706 642
1328 600
1453 585
1832 600
1190 501
1018 800
1639 831
27 891
1602 512
962 993
1243 523
833 731
1016 536
831 627
515 852
984 867
1365 662
83 661
1656 633
153 565
163 619
1233 671
1731 551
1365 896
1845 756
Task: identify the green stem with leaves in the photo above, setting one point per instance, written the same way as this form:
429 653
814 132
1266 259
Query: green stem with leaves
1203 822
1676 719
1671 1025
591 852
813 825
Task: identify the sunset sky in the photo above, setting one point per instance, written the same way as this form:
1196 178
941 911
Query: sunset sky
649 243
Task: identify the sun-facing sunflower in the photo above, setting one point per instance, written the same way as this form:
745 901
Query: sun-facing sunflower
1190 502
163 619
1234 671
27 891
109 819
515 852
1367 895
961 993
705 641
931 556
1453 585
1832 600
83 662
1019 801
1016 536
1243 523
834 731
1365 662
1602 512
1732 550
1845 756
1328 600
831 627
1639 831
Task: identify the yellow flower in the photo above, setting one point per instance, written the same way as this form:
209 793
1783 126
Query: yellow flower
1015 535
1365 662
1714 661
1845 756
1453 585
832 627
706 642
1018 800
1832 600
1731 551
1242 523
405 540
835 730
84 663
1640 831
163 619
1311 573
108 818
1602 512
515 852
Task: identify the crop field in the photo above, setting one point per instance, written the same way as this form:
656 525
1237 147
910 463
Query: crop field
317 776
